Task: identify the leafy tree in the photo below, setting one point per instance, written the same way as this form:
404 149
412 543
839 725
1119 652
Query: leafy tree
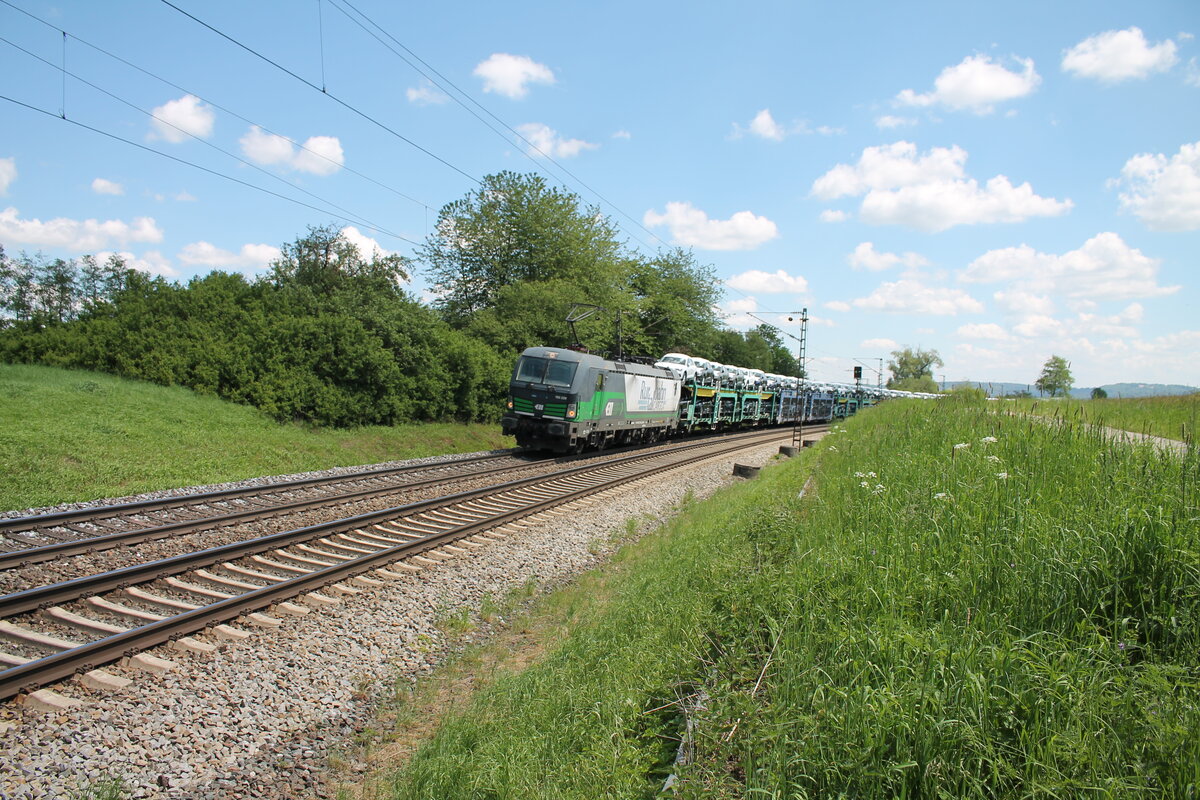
515 228
325 260
1056 377
912 370
1099 394
675 297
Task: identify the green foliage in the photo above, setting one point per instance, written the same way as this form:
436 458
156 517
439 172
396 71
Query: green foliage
924 383
968 394
1170 417
1099 394
71 435
960 605
911 368
1056 379
329 337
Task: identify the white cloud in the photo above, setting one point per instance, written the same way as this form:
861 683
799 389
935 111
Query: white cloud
1104 268
622 134
913 297
86 235
251 257
1192 76
983 330
103 186
368 248
545 141
742 305
830 215
151 262
930 192
878 344
426 95
837 305
511 75
778 282
764 126
976 84
8 173
887 121
1115 56
176 120
320 155
865 256
185 197
1021 303
691 227
1164 193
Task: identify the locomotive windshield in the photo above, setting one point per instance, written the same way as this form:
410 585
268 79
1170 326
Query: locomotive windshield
546 371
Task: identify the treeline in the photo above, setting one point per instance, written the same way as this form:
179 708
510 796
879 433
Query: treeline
329 336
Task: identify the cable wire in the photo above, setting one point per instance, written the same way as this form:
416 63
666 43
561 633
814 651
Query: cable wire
313 86
352 216
195 165
217 106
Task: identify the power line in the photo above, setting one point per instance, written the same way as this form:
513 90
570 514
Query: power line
481 107
313 86
354 217
217 106
195 165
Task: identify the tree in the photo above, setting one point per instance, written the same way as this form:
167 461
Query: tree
325 260
912 370
1055 378
515 228
1099 394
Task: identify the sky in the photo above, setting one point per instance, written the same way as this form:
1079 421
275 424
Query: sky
1000 182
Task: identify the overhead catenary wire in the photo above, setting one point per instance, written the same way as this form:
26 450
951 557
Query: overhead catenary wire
330 95
194 165
210 102
351 216
444 80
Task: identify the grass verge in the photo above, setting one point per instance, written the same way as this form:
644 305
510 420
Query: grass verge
966 605
1168 417
69 436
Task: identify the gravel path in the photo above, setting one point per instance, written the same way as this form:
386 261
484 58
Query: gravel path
261 718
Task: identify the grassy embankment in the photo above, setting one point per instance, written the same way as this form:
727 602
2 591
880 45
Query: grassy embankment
73 435
1169 417
961 605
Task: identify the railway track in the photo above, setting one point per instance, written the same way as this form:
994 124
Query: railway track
34 539
129 610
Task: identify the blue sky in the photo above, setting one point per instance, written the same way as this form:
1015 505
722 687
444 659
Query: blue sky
1001 182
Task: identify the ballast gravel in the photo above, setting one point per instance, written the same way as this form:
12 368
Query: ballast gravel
266 717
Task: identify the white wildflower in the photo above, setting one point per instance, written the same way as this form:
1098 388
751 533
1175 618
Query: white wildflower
941 496
865 485
994 459
872 475
962 445
834 449
1002 476
879 489
860 474
988 439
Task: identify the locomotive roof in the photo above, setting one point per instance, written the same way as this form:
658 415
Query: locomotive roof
598 362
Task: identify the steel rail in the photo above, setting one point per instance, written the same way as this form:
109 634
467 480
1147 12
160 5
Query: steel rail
39 672
57 518
33 555
67 591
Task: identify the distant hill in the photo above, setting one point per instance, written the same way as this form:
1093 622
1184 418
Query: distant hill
1138 390
1001 388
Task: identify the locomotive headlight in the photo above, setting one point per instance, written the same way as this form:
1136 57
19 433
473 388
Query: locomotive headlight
509 404
570 411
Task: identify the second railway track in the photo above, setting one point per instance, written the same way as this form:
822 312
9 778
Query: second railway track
142 606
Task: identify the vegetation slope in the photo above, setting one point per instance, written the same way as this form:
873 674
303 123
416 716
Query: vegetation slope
958 605
74 435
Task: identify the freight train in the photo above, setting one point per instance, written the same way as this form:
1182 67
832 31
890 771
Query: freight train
566 401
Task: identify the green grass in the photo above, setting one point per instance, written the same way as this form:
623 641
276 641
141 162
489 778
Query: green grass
1168 417
1009 618
73 435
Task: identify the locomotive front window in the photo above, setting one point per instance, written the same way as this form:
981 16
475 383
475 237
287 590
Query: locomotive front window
546 371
